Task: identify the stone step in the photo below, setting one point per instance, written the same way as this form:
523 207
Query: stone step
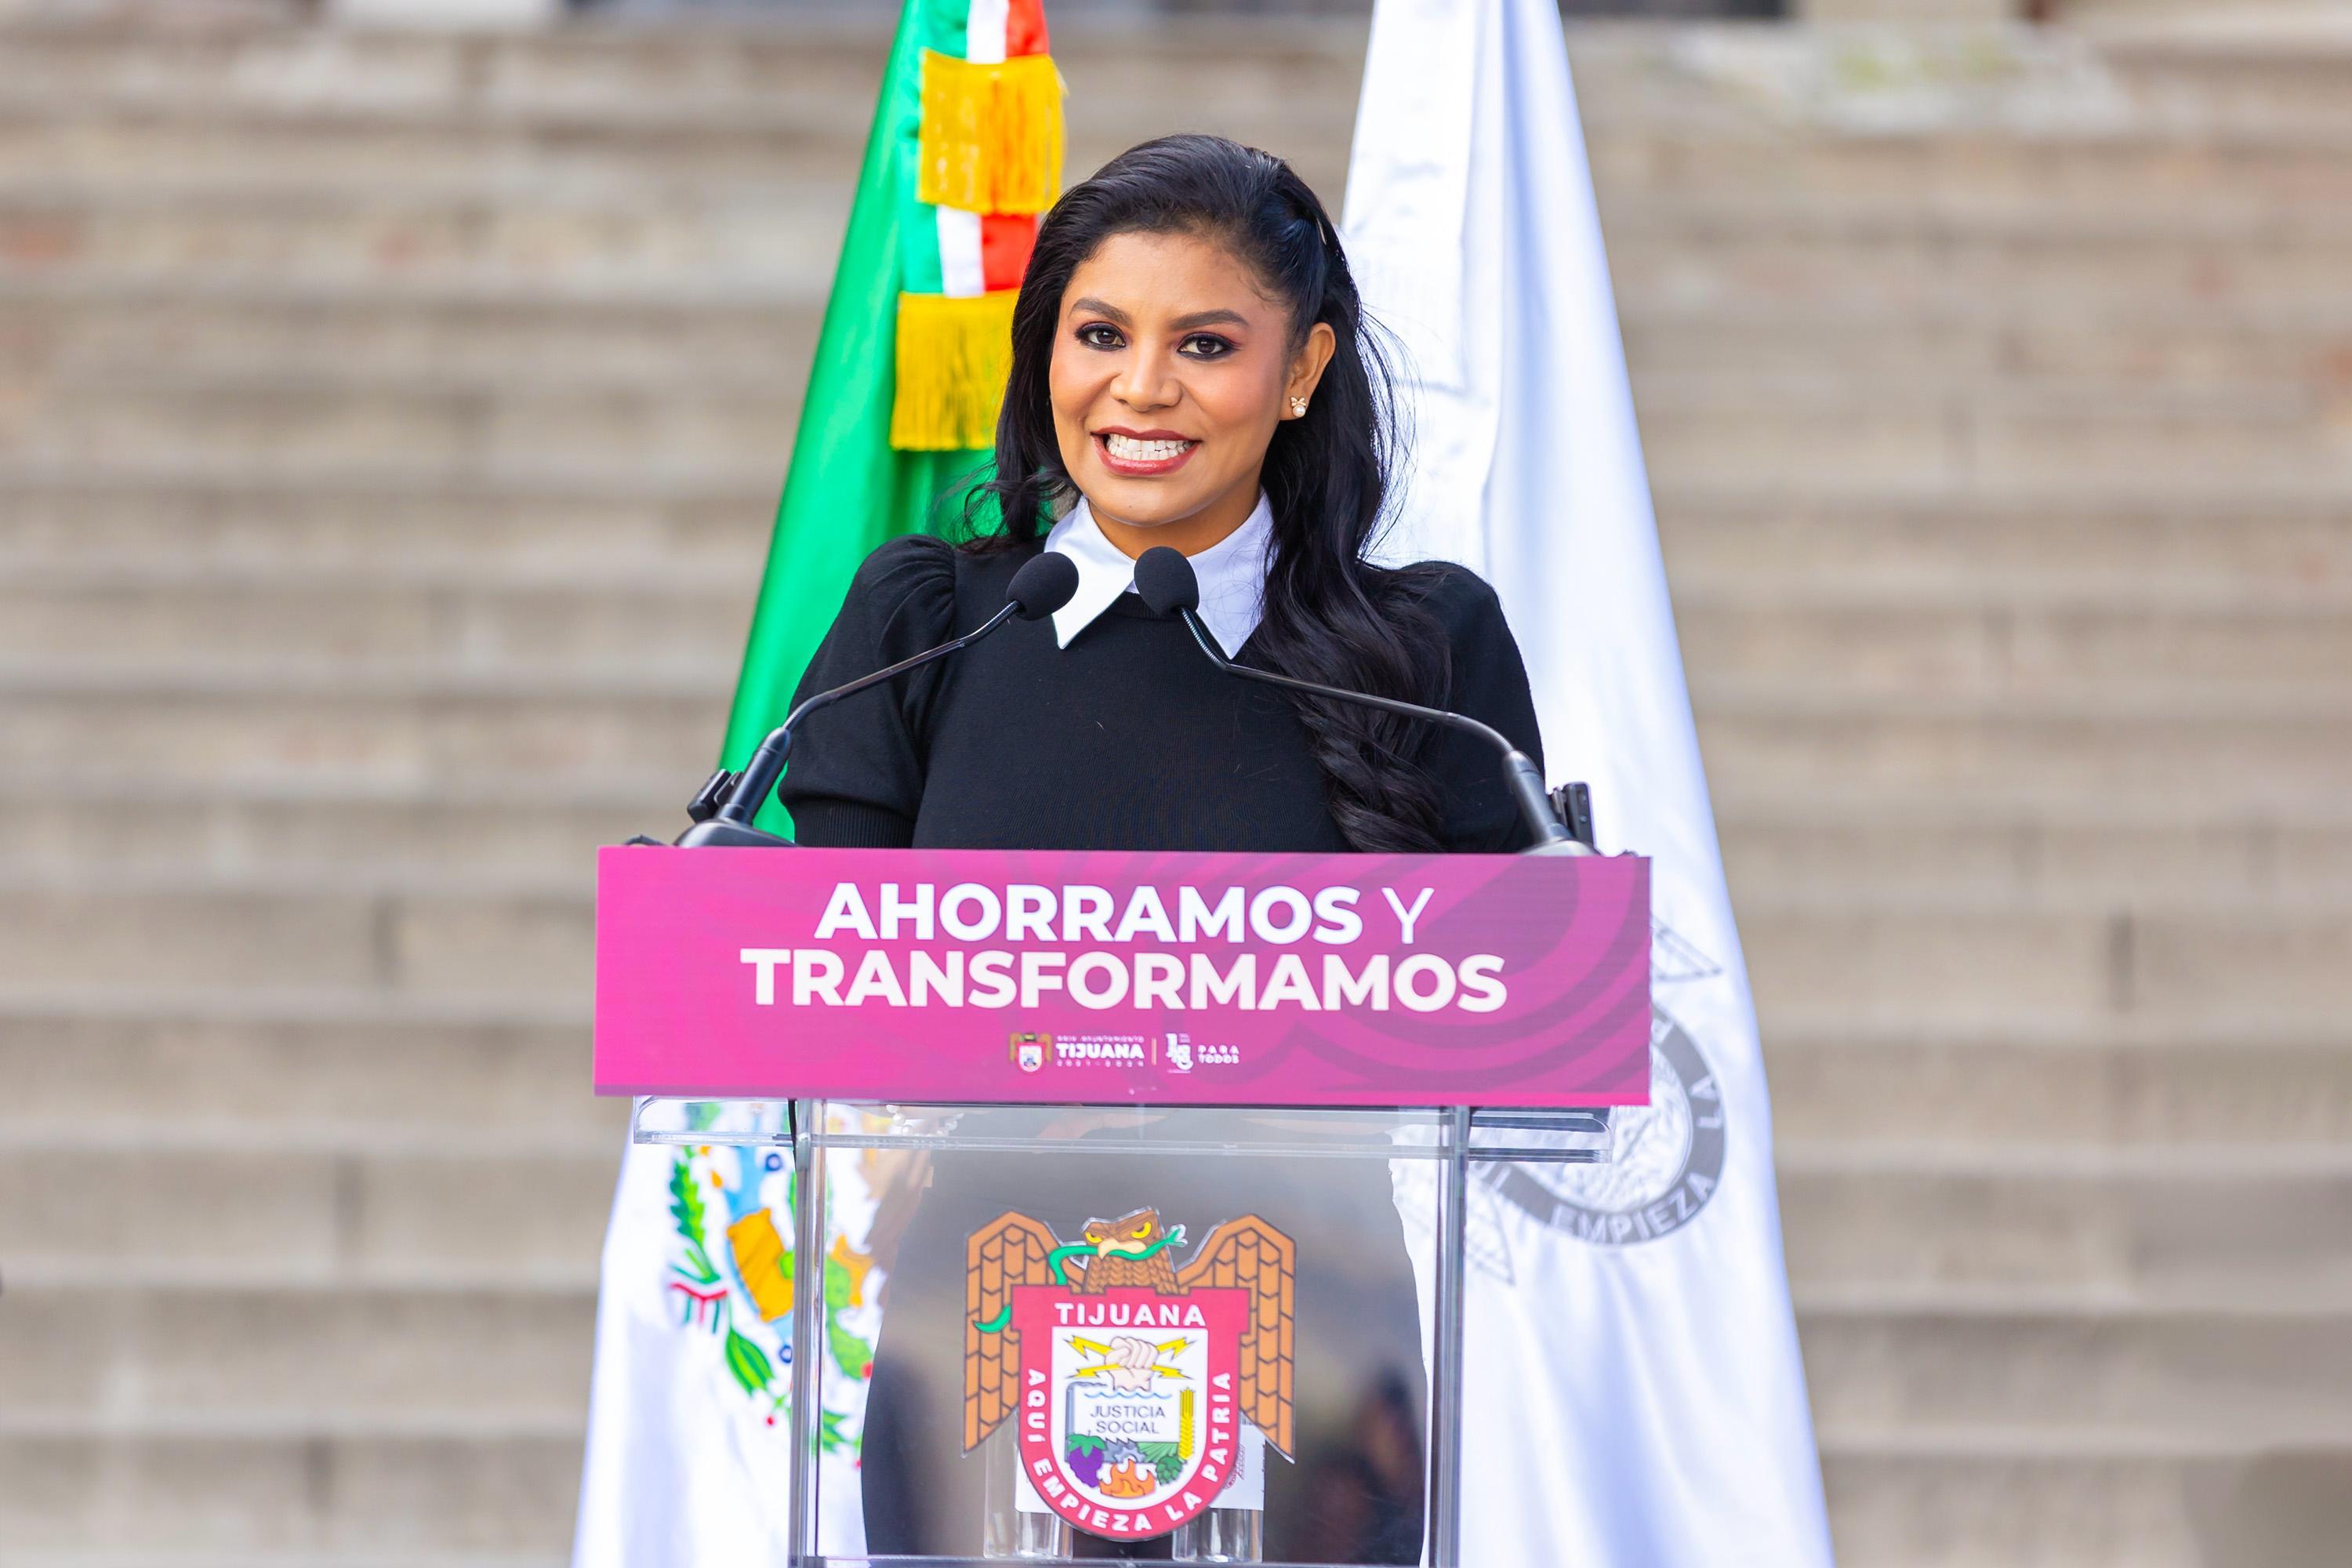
1967 175
2181 543
324 616
1919 271
488 941
814 72
364 523
104 335
372 727
291 423
1984 962
2116 748
2209 1228
1928 1504
2205 1381
85 341
1930 643
2004 342
108 150
80 1357
460 1502
671 235
1812 843
1655 76
791 228
2146 1091
296 1215
337 1069
679 148
2053 541
1914 641
87 1357
1831 845
2271 21
84 359
1267 73
2284 86
264 728
357 1070
2192 1230
428 76
499 1495
1825 434
1843 961
66 327
78 822
333 1073
441 681
2139 171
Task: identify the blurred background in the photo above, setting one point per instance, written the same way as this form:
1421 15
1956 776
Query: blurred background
391 418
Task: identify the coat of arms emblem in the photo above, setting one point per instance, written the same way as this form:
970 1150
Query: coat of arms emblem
1032 1052
1127 1377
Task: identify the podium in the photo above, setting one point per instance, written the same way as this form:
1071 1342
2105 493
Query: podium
1164 1262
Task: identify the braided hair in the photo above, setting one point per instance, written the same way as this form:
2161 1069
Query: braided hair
1329 614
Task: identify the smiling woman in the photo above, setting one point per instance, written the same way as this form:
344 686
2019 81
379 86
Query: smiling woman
1170 372
1191 367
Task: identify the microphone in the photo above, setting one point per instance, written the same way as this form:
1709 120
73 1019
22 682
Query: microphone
722 810
1165 580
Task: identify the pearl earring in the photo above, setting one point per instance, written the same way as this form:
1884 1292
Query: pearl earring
1299 408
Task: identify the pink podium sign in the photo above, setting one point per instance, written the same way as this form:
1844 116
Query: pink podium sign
1049 976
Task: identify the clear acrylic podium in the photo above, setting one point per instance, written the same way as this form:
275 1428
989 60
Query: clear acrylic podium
1343 1231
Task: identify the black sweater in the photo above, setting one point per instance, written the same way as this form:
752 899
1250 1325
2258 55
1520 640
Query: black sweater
1127 739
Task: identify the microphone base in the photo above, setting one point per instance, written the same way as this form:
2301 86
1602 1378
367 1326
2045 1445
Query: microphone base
720 833
1561 847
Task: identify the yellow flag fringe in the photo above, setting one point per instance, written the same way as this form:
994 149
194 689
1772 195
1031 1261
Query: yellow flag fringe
953 356
992 134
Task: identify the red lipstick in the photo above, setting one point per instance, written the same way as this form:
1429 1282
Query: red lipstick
1143 454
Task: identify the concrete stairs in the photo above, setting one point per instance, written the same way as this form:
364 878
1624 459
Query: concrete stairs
388 430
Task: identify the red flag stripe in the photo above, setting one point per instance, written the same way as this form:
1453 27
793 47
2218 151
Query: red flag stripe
1004 242
1024 27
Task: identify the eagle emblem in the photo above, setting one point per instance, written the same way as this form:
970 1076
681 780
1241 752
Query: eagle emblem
1127 1375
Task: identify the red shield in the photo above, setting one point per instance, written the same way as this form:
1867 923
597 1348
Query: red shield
1128 1414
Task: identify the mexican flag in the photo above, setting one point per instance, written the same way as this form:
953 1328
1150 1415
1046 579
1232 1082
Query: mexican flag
965 152
689 1450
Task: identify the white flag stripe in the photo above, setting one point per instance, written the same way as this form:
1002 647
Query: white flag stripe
984 31
1650 1297
961 276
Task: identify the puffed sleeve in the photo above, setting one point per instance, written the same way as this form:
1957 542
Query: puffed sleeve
1488 681
856 779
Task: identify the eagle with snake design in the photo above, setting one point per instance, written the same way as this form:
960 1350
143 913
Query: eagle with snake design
1132 1251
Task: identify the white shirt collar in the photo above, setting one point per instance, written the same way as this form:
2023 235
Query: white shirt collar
1231 575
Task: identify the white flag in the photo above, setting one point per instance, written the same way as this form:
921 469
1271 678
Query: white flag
689 1423
1647 1298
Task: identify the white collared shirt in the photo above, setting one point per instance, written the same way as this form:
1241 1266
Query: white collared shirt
1231 575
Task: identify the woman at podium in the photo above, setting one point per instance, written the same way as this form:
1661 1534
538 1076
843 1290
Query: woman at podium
1191 367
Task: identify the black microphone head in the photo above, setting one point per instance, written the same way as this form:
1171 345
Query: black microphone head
1165 580
1048 582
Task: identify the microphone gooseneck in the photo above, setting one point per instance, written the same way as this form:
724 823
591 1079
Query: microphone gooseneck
1043 584
1168 586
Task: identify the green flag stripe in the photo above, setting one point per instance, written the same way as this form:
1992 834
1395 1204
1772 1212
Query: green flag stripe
847 490
920 271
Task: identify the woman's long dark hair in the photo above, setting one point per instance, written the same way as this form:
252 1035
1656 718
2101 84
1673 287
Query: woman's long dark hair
1329 616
